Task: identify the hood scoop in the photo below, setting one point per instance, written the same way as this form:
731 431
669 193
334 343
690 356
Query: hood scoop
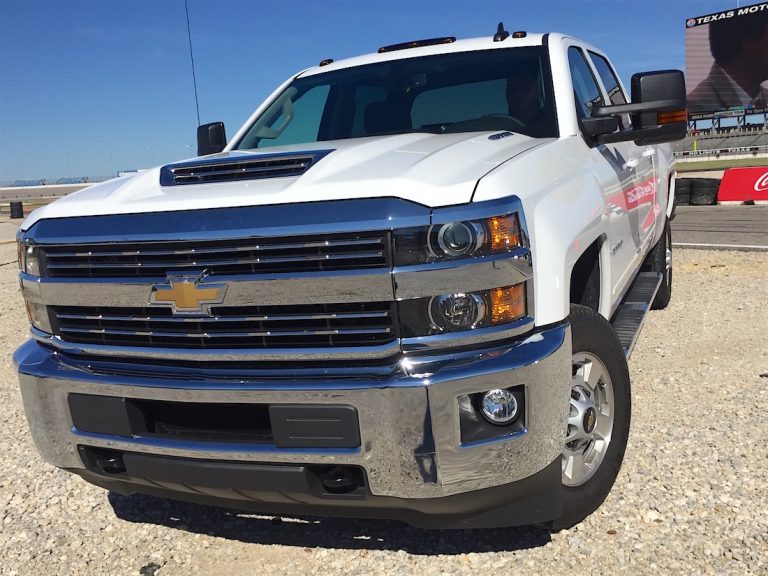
245 167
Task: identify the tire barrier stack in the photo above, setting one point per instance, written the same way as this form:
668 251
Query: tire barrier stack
696 191
683 191
17 210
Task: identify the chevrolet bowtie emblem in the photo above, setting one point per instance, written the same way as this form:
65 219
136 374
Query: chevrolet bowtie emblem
184 295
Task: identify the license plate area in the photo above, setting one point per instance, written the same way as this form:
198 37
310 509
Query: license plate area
280 425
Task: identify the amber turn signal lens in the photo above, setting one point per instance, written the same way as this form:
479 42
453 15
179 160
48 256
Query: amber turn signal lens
504 232
672 117
507 304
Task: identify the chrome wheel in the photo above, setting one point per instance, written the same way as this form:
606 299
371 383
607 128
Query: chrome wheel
590 419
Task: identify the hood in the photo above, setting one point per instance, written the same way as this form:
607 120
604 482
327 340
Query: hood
430 169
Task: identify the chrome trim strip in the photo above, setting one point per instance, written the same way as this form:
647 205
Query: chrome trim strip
213 263
478 210
467 337
217 354
214 250
222 318
219 334
239 222
333 287
460 276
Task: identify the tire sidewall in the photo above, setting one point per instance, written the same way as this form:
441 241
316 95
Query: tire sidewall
591 333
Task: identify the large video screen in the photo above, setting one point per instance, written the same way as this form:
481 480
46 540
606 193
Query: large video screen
726 61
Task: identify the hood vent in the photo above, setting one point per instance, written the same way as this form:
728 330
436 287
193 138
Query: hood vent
233 168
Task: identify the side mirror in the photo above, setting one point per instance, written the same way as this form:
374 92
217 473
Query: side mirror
665 90
657 109
211 138
598 125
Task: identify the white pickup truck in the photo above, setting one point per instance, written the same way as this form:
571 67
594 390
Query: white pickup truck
406 288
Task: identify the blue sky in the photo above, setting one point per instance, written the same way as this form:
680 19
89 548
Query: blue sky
89 87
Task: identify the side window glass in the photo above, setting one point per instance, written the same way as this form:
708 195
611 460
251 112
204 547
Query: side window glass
611 83
297 121
585 88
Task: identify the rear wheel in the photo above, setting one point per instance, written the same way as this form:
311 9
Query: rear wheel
598 420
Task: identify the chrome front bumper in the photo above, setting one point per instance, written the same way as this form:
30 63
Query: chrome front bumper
409 423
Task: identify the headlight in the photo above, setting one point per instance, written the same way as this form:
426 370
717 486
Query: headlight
28 259
454 240
463 311
456 311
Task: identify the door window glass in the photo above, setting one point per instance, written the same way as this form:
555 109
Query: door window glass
585 88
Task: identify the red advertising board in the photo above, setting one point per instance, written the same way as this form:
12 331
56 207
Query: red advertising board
744 184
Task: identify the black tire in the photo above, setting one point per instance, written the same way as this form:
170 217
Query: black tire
682 198
591 334
704 196
656 261
682 185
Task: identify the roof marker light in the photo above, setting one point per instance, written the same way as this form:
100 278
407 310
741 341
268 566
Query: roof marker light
417 44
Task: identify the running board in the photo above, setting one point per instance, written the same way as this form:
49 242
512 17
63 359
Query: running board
629 317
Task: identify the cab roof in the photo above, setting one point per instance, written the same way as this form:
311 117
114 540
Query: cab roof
467 45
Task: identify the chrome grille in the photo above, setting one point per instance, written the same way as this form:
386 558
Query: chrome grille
243 256
239 168
317 325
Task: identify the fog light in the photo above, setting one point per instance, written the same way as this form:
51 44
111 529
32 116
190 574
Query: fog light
499 406
456 311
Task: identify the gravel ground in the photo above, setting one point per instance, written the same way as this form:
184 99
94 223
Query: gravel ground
690 499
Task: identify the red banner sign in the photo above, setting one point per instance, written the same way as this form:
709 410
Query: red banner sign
744 184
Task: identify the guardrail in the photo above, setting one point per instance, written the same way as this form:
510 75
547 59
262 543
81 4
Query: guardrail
15 196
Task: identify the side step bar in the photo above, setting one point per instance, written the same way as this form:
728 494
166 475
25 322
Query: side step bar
629 317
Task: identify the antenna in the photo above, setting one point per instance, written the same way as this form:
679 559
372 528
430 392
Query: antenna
500 35
192 58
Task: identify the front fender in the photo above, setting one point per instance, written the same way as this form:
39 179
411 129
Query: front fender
565 209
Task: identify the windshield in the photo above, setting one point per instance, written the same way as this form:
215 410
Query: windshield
507 89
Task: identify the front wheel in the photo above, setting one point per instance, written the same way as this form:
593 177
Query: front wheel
598 419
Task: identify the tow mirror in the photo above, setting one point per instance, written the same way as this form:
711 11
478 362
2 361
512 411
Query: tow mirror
665 90
595 126
657 109
211 138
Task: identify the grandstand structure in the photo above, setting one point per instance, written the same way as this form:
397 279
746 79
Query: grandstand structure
743 139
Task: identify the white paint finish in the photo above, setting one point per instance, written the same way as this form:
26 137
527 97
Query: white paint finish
431 169
565 212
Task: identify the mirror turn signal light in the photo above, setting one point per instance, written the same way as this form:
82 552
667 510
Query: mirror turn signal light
672 117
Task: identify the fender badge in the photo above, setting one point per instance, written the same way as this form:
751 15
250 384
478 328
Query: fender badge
184 295
500 135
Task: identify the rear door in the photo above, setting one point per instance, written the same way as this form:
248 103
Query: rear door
639 200
613 166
